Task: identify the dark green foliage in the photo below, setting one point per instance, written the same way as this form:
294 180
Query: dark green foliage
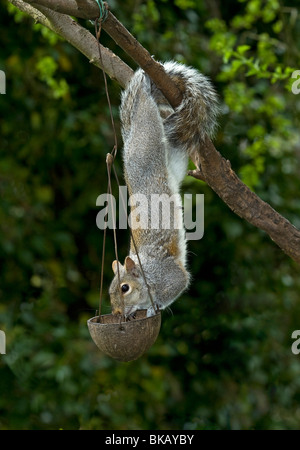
223 359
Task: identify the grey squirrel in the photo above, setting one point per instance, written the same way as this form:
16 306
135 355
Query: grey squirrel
157 143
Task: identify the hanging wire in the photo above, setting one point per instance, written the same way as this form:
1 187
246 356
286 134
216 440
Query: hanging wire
102 270
109 163
110 157
103 7
98 28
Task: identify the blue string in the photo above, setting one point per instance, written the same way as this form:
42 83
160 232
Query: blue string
103 10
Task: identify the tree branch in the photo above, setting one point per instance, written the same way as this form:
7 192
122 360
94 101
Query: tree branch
215 170
83 9
79 37
88 9
217 173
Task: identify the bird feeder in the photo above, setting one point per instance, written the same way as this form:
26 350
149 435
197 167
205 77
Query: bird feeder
125 340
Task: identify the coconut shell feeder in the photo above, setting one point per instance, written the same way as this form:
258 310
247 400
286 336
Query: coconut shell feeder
120 338
125 341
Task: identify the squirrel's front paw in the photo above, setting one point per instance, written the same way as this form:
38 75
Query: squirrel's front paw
131 316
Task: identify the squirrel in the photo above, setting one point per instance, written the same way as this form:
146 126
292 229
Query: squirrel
158 141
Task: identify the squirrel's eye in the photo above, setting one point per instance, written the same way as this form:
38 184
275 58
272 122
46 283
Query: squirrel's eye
125 287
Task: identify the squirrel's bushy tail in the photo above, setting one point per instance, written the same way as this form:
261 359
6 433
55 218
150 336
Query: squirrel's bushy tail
196 116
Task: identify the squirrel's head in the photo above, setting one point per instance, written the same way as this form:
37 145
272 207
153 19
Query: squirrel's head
130 290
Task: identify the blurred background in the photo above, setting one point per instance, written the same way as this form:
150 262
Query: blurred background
223 358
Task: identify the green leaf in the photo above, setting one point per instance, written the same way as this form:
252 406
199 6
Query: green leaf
241 49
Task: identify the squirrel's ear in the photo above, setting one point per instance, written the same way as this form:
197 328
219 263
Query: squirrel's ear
115 266
130 266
